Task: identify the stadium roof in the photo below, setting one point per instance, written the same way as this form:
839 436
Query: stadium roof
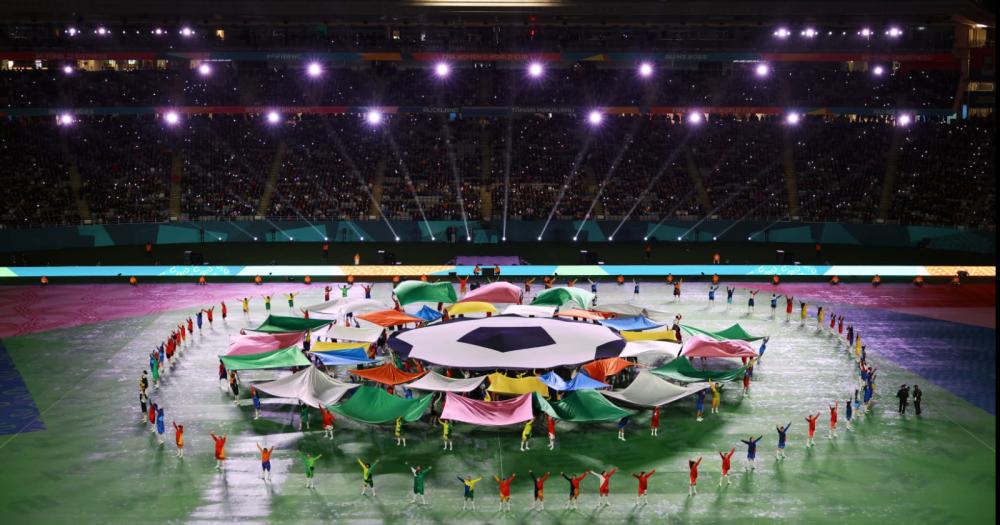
415 12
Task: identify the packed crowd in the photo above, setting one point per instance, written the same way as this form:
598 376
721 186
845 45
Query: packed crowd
529 167
368 84
551 35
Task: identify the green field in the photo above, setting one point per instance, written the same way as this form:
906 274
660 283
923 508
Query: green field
96 463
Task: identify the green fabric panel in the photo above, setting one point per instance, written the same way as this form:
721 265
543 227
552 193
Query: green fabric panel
582 405
733 332
374 405
281 358
562 295
681 370
277 324
420 292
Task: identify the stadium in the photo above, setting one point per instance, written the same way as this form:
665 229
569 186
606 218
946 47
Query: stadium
351 261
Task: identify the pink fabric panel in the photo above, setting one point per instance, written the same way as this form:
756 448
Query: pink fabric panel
496 413
499 292
700 346
260 343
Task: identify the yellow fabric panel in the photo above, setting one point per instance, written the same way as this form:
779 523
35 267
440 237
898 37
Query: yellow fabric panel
471 307
502 384
328 347
658 335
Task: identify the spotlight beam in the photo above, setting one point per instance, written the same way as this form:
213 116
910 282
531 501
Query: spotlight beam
642 196
357 175
350 224
729 199
608 175
409 181
506 173
663 168
565 185
456 178
248 234
690 193
768 227
299 214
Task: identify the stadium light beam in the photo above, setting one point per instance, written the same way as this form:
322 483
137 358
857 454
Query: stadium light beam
782 33
894 32
792 119
878 71
362 183
65 119
645 70
442 69
350 224
172 118
595 118
904 120
667 215
762 70
456 177
314 69
609 174
409 181
652 182
248 234
373 117
273 117
695 118
565 185
506 174
186 32
204 69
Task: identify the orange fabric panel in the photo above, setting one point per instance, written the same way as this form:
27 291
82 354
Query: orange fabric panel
603 368
387 374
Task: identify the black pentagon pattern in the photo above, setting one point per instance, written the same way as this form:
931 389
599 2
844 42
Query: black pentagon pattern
508 339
